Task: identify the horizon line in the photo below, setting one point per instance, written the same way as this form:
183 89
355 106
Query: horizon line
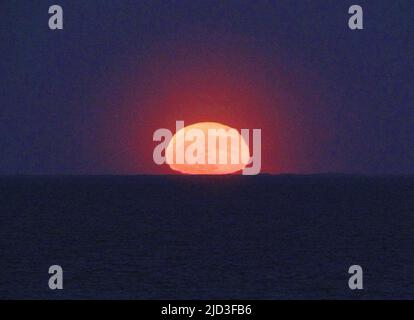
202 175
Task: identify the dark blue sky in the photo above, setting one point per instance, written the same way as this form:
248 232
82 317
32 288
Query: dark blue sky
87 99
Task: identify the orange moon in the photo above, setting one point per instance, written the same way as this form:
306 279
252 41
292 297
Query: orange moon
223 152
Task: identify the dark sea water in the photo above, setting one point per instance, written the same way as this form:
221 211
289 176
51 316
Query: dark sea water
187 237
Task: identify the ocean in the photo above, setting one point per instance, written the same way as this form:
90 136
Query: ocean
207 237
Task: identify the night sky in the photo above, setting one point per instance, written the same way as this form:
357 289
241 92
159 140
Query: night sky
87 99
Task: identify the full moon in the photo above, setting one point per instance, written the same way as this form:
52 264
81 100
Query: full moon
207 148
